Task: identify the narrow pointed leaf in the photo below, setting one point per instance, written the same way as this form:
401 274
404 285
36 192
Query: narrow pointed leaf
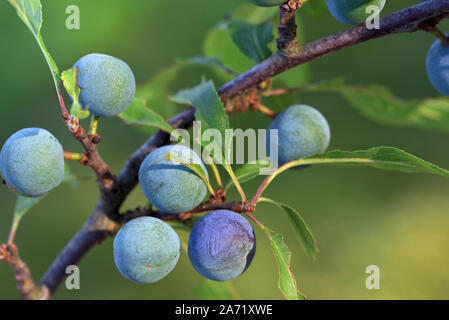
387 158
380 105
69 78
302 231
219 44
156 90
30 12
252 39
210 110
140 114
287 282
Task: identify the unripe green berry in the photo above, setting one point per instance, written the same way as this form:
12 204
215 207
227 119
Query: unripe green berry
146 250
107 84
302 131
32 162
170 186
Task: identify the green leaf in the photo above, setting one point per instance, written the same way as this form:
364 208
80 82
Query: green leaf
218 44
283 255
380 105
23 205
156 90
30 12
247 172
387 158
77 111
215 290
314 8
224 72
252 40
140 114
302 231
192 166
69 78
209 111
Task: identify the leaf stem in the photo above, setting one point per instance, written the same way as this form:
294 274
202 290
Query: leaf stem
12 232
73 156
236 182
216 174
94 125
253 218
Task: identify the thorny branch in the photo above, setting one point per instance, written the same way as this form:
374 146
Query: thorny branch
105 220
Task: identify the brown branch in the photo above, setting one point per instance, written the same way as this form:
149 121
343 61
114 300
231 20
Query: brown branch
235 206
103 221
106 179
25 284
287 42
403 21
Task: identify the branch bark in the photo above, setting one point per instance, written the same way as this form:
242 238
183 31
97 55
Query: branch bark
22 274
235 206
105 219
106 179
403 21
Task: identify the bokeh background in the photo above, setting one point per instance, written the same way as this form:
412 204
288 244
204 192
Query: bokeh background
360 216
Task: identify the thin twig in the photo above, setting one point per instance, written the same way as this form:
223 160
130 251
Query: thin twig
287 42
106 179
9 253
235 206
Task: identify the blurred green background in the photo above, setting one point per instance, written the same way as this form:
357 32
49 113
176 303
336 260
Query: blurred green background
360 216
